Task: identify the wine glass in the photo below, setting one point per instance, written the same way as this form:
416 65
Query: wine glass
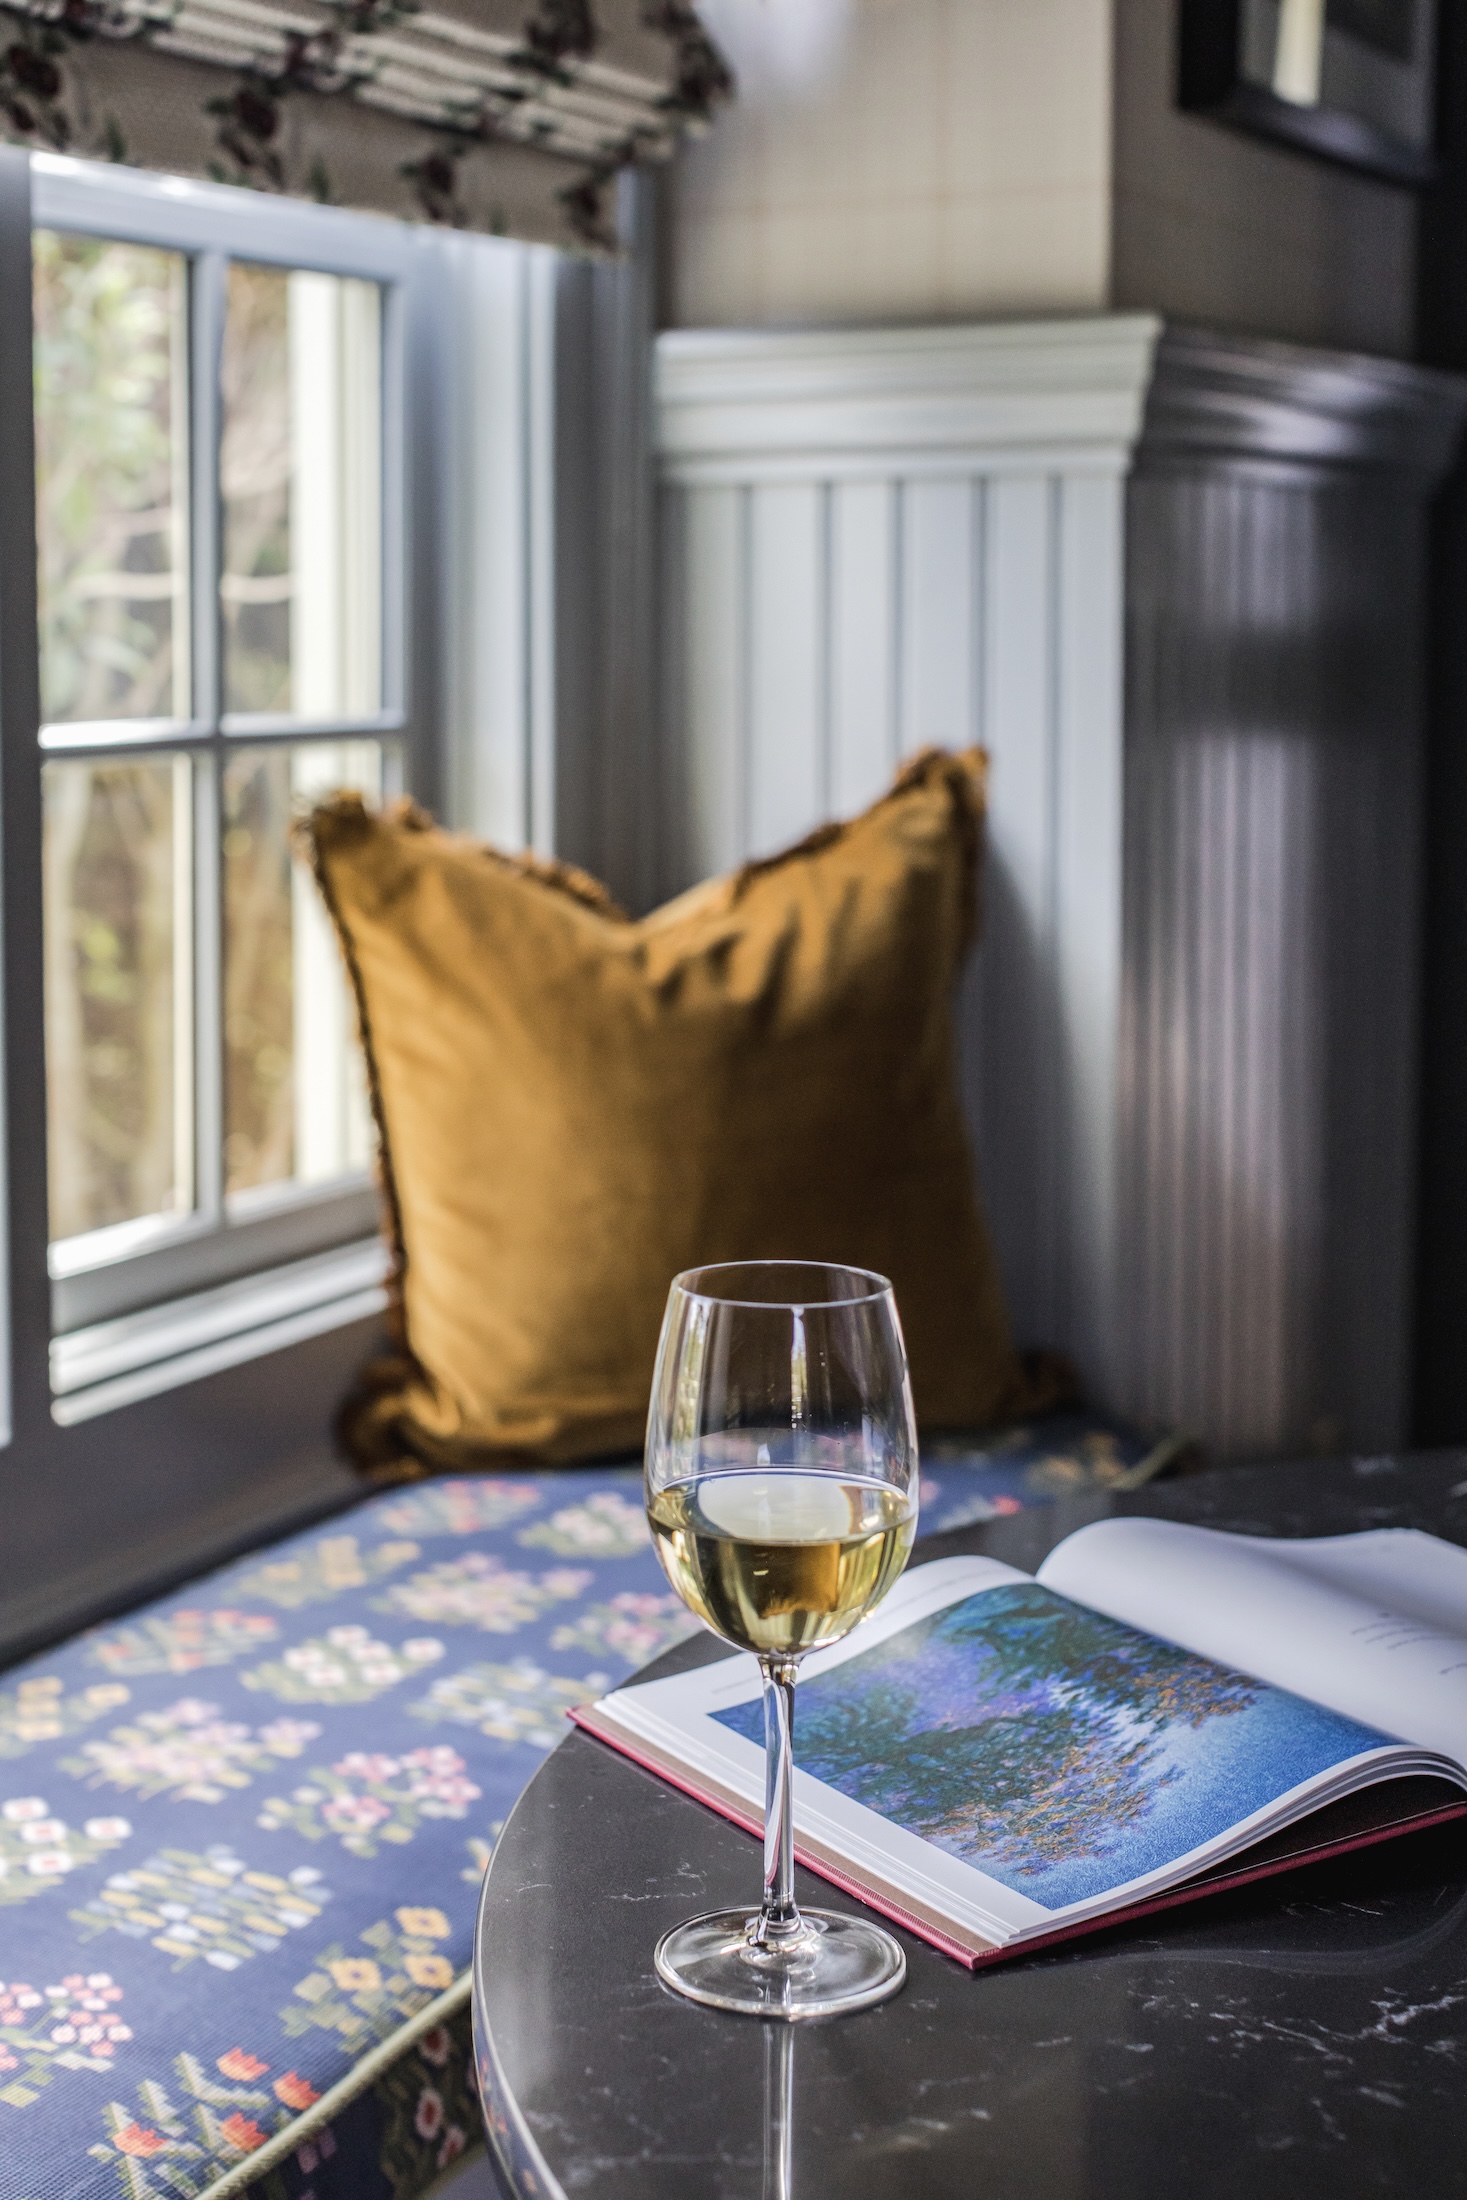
781 1479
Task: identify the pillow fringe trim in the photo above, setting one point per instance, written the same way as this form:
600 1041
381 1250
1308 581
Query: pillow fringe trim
394 1466
308 838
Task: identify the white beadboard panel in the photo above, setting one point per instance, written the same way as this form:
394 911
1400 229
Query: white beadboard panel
940 636
673 830
1187 1039
1020 1046
1019 685
865 565
1087 854
931 569
787 633
715 680
497 627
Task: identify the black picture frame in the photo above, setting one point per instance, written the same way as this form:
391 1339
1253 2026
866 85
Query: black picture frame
1211 82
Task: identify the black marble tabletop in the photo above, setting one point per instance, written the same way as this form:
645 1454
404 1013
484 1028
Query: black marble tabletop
1304 2037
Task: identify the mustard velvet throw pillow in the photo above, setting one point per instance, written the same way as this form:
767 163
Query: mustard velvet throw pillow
573 1106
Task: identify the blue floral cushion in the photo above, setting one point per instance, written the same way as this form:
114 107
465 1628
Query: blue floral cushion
242 1830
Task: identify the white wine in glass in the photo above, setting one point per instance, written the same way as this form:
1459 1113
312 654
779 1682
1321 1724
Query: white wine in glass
781 1563
782 1495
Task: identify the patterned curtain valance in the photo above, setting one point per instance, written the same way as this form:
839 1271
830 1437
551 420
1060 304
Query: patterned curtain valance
469 112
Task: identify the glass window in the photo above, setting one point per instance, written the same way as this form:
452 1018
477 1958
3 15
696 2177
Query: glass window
201 1058
295 1097
117 866
111 479
301 471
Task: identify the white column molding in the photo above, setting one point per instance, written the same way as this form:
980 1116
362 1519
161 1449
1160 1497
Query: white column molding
875 540
496 620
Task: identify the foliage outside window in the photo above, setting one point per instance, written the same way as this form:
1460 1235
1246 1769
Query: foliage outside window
199 1049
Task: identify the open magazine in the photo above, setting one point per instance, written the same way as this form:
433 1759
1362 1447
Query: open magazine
996 1761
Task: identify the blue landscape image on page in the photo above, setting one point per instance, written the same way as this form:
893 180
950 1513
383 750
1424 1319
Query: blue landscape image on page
1058 1751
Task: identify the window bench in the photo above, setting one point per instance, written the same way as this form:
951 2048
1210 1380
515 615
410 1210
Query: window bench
242 1829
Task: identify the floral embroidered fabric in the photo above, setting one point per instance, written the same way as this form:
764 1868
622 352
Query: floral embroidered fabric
242 1831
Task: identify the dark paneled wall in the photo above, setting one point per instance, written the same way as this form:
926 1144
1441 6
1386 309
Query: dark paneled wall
1441 1282
1277 527
1441 1278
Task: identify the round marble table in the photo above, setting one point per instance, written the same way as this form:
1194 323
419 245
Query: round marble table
1301 2038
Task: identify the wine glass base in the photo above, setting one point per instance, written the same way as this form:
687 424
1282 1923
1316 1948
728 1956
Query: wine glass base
837 1963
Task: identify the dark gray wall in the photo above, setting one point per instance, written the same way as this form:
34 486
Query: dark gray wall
1211 226
1441 1282
98 1516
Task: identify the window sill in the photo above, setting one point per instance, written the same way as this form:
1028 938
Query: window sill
115 1363
105 1279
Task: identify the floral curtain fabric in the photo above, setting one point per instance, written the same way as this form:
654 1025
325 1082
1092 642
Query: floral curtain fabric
473 113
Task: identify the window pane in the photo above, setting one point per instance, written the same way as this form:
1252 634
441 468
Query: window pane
118 1042
301 462
295 1097
111 479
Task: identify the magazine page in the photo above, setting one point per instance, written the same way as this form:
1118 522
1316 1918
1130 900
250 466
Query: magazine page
1373 1626
1011 1760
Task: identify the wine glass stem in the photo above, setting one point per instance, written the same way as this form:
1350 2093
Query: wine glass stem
778 1918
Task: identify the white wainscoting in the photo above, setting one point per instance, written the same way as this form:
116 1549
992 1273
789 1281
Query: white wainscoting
878 540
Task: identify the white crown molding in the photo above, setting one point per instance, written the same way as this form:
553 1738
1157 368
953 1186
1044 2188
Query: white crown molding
1079 395
839 403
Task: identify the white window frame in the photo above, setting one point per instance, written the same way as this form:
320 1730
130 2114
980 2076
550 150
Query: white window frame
159 1437
116 1272
467 491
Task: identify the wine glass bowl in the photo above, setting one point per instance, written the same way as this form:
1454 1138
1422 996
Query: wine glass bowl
781 1485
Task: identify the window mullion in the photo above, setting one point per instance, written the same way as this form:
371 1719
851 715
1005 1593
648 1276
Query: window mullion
208 989
207 291
207 301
